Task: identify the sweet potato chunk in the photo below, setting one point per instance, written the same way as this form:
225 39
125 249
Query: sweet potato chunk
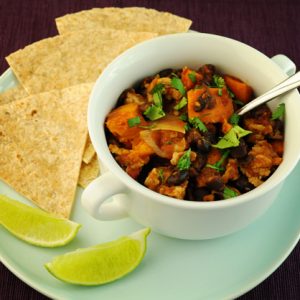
117 122
190 78
241 90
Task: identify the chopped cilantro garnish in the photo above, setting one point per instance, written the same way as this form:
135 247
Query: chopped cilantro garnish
154 112
218 81
231 94
238 102
193 77
161 175
220 93
183 117
241 132
182 103
232 137
218 165
157 99
178 85
158 88
184 161
234 119
187 127
134 121
197 123
278 112
229 193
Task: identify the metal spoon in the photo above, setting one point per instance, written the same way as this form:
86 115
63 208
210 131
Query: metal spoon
281 88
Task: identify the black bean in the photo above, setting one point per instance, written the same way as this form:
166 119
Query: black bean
242 184
177 177
240 151
199 193
203 145
207 71
262 111
211 103
278 125
165 72
197 165
216 184
211 134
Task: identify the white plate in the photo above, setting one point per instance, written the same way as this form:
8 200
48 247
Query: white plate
222 268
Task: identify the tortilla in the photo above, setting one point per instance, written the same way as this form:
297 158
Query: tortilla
129 18
88 172
42 138
89 151
71 59
13 94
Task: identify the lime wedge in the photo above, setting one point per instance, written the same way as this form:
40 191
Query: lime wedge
35 226
102 263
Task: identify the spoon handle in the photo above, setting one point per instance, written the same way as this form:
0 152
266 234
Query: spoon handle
281 88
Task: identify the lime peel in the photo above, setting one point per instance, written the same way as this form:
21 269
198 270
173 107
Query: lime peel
102 263
35 226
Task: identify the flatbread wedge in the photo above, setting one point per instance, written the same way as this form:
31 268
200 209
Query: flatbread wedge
71 59
19 92
89 172
129 18
89 151
13 94
42 138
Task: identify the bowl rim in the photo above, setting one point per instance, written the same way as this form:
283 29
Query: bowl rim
131 184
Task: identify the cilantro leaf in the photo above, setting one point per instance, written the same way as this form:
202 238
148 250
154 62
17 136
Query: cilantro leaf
182 103
234 119
157 99
232 137
154 112
178 85
229 193
241 132
192 76
184 161
238 102
134 121
197 123
218 81
278 112
183 117
218 165
161 175
232 95
158 88
187 127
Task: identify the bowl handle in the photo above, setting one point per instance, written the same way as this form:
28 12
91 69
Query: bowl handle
94 197
286 64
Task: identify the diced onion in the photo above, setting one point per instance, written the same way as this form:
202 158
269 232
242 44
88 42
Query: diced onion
169 122
146 135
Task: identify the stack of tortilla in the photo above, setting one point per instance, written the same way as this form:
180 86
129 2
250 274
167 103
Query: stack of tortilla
45 150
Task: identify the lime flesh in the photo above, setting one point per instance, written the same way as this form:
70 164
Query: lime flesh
35 226
102 263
